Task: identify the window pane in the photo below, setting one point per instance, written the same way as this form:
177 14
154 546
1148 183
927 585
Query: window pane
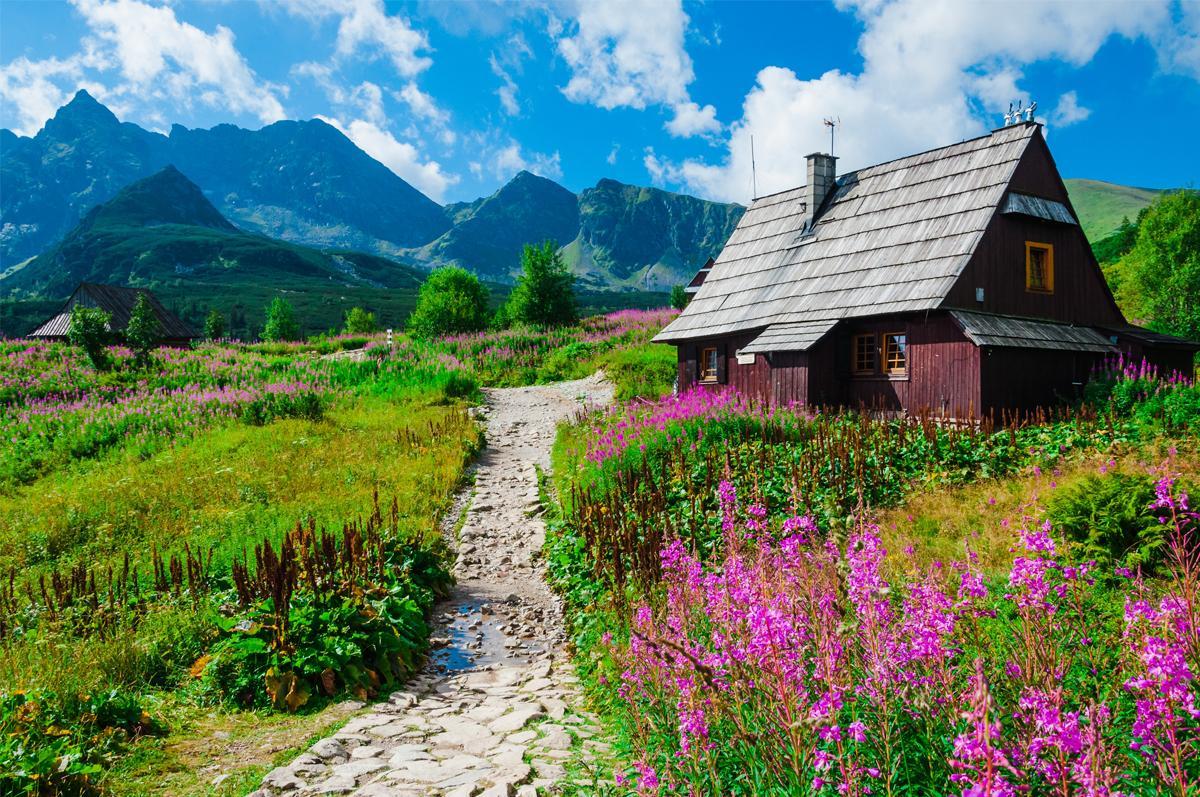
864 354
896 354
708 364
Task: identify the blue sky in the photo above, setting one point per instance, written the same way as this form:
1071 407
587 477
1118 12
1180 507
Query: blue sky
457 95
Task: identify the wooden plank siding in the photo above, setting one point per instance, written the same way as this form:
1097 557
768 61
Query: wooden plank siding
943 367
1081 295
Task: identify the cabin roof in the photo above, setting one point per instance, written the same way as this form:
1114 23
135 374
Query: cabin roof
891 238
118 302
989 329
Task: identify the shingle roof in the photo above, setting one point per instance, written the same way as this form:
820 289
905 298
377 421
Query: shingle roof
789 337
1037 207
893 238
987 329
117 302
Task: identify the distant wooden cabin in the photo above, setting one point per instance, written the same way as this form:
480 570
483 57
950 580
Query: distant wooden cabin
957 281
118 302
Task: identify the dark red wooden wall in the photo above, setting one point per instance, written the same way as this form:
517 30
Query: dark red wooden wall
1081 295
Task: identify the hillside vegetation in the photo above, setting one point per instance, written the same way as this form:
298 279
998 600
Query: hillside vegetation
1103 206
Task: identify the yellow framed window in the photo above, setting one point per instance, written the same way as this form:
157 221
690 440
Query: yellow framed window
1039 267
864 354
895 353
708 365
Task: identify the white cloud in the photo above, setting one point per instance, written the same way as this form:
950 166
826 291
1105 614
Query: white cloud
1069 111
505 64
161 57
611 160
35 89
365 27
631 54
421 104
399 156
934 72
691 120
509 159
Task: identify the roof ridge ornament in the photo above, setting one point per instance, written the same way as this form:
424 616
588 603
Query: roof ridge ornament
1013 117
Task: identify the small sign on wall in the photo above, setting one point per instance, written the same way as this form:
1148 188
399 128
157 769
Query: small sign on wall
745 359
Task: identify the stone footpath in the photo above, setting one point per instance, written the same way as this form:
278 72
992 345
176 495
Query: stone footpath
496 712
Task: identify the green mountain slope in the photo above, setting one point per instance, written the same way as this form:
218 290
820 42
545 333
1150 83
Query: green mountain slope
162 233
612 236
1101 206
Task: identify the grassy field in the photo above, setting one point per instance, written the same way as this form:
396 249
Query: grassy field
1102 206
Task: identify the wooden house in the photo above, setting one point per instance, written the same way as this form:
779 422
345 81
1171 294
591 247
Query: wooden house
118 302
956 281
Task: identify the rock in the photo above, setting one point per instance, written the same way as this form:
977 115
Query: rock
554 737
366 751
502 789
335 785
284 779
356 769
329 748
516 720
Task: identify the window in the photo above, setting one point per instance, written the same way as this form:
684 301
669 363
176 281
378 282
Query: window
864 354
1039 267
895 353
708 365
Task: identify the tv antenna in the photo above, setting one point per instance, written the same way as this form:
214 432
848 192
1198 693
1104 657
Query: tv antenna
832 125
753 171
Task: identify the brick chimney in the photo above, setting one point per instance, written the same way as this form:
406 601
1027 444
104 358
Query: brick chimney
822 174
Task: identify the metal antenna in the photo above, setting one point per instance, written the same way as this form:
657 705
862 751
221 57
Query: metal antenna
753 171
832 124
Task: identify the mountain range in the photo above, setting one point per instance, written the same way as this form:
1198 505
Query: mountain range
305 182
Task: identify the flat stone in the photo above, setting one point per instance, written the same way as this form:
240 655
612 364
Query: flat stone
537 684
516 720
335 785
404 753
502 789
284 779
555 737
366 751
329 748
356 769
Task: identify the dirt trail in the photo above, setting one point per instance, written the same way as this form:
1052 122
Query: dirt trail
495 713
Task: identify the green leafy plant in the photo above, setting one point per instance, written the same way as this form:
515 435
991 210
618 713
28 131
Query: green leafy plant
89 330
679 297
451 301
143 333
1110 519
360 322
214 325
545 291
281 321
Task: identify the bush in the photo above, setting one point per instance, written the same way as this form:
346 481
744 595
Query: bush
545 291
214 325
451 301
679 297
645 372
89 331
143 332
571 361
1110 518
281 322
360 322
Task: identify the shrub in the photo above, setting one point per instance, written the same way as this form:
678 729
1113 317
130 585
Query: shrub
567 362
144 331
214 325
644 372
1110 518
360 322
89 331
451 301
679 297
281 322
545 292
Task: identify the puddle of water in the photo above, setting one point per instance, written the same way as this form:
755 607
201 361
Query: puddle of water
473 647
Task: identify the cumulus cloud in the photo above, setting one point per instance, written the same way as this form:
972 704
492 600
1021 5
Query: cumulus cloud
1069 111
160 56
366 29
35 89
631 54
400 156
509 159
934 72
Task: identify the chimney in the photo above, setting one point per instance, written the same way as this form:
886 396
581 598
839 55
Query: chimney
822 173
